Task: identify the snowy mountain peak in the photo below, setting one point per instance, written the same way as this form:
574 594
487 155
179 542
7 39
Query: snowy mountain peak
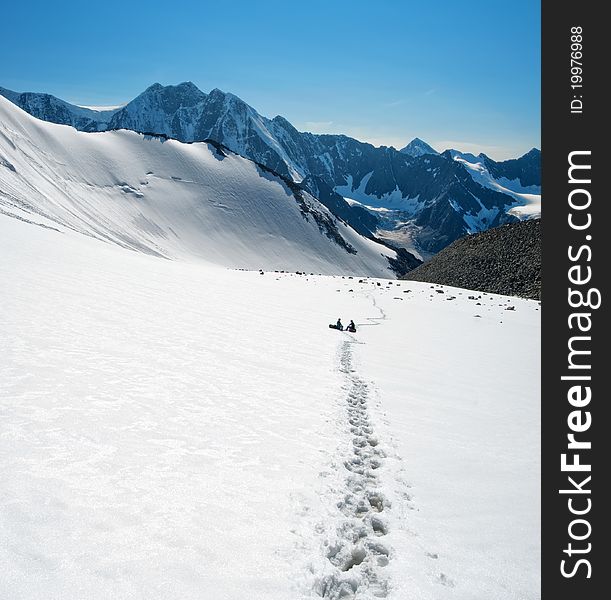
532 153
526 169
219 95
173 96
418 147
464 156
236 101
280 120
175 200
188 85
50 108
9 94
416 186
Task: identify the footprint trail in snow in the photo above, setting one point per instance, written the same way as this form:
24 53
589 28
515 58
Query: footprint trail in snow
355 550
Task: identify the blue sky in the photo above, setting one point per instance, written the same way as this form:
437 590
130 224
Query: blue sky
459 74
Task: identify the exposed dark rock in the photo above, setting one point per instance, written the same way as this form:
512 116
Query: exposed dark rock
404 262
360 219
503 260
52 109
527 168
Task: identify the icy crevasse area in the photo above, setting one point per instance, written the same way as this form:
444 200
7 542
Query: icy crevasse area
176 430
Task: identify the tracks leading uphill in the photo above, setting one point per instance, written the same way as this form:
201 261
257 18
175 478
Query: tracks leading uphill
355 549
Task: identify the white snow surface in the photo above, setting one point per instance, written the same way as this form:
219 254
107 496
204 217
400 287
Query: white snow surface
392 201
169 199
103 109
527 199
171 429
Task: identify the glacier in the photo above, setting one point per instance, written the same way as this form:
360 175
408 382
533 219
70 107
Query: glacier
178 424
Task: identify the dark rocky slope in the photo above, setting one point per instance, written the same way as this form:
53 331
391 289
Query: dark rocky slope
503 260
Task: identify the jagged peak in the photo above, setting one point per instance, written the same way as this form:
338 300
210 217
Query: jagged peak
417 147
532 152
284 123
10 94
153 88
187 85
216 92
234 103
235 99
227 97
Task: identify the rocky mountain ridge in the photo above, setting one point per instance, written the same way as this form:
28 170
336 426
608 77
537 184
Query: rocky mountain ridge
429 199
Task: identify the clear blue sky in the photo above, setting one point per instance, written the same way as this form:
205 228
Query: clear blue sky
460 74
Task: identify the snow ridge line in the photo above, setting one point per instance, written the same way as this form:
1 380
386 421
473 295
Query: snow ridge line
355 552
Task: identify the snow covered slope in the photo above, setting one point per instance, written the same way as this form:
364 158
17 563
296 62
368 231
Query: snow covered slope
426 194
185 113
172 430
490 174
172 199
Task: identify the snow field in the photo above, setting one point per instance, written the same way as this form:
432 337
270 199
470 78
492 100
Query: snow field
463 409
161 423
178 430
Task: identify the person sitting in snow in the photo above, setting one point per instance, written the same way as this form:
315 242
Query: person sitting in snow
351 327
339 325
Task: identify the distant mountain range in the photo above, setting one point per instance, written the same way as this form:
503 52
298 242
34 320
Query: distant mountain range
414 198
199 201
